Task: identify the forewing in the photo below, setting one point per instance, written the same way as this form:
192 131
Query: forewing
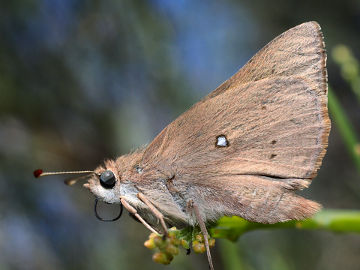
274 127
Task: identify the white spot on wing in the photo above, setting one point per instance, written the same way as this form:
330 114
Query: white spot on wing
221 141
139 169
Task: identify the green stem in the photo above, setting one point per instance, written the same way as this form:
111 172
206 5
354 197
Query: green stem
349 66
331 220
345 128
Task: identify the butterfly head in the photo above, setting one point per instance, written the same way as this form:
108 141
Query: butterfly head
104 183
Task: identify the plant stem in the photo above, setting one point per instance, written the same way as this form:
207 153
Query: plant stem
345 128
331 220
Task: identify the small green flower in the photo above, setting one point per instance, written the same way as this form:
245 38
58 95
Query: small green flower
150 244
172 249
162 258
198 247
184 244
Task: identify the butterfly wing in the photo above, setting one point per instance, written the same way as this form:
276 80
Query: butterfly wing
299 52
266 128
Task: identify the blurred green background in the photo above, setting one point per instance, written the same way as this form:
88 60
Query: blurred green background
81 81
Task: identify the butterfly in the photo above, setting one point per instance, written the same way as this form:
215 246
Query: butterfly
243 150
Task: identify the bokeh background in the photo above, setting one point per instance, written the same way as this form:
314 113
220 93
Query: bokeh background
85 80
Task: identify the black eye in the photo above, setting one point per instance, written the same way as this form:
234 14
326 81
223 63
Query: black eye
107 179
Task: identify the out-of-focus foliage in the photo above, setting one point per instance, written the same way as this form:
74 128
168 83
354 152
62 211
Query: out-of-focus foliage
350 69
345 128
81 81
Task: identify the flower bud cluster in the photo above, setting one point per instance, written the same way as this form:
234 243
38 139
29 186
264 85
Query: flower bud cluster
198 244
168 247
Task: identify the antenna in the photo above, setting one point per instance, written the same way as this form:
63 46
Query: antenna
40 173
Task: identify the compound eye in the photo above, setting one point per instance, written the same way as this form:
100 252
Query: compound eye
107 179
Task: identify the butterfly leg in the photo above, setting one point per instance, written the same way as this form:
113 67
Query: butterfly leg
133 211
204 232
154 210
